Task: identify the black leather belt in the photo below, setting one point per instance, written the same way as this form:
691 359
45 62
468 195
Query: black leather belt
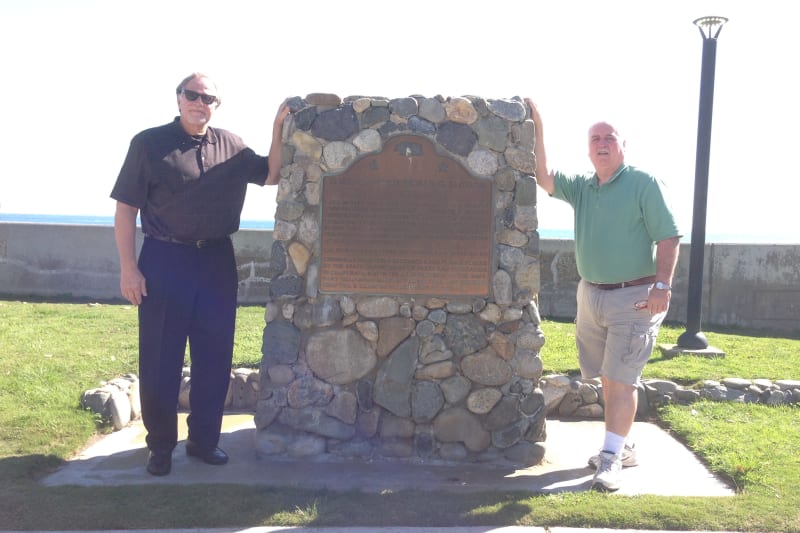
633 282
202 243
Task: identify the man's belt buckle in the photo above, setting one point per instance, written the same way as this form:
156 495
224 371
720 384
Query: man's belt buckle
632 283
202 243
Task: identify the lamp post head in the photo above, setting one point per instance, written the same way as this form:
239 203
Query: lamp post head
710 26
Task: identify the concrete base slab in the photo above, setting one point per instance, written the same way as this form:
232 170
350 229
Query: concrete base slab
671 350
666 467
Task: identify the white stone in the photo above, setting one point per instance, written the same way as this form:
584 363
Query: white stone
482 162
368 140
338 155
482 401
368 330
378 307
119 409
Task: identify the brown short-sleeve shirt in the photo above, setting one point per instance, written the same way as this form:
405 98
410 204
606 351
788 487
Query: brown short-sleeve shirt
188 188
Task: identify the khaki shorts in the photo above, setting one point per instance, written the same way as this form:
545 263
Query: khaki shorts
614 339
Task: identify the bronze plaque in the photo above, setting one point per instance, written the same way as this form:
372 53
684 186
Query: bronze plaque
407 221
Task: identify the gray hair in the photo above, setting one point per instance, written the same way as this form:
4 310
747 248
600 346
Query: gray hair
195 75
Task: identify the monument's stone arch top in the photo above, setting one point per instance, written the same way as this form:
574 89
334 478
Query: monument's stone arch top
402 319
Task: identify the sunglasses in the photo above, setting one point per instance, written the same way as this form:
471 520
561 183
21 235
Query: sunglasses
207 99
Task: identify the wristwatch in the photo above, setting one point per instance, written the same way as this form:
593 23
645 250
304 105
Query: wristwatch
660 285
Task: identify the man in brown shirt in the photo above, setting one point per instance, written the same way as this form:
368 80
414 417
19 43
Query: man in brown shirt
188 181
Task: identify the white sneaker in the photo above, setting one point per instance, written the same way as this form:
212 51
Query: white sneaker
609 472
628 456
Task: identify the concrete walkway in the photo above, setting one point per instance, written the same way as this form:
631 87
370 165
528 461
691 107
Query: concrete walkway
666 467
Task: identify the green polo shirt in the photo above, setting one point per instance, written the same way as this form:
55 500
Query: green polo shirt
617 225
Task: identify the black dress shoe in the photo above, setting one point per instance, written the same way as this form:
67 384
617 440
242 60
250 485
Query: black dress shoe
159 463
212 456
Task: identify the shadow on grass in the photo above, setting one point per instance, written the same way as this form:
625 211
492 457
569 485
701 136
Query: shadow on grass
22 468
107 487
29 505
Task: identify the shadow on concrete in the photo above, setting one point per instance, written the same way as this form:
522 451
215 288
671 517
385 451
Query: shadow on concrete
666 467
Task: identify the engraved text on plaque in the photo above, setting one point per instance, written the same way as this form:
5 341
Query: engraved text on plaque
407 221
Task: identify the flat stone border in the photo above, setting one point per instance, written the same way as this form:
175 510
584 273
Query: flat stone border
118 400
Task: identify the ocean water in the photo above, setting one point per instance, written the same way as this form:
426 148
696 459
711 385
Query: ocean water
97 220
544 233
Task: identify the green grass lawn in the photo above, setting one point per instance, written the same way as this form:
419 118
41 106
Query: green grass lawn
51 352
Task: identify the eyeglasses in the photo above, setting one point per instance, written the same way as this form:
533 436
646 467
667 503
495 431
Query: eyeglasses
207 99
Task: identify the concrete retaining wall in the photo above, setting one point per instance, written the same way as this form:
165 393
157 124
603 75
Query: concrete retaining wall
81 262
745 285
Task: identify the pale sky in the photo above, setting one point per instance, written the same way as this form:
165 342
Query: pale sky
81 77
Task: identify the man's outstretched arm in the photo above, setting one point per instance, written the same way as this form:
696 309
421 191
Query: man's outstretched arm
544 177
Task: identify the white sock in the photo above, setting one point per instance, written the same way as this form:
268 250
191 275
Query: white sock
613 443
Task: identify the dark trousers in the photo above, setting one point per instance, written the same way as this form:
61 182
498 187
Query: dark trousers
191 294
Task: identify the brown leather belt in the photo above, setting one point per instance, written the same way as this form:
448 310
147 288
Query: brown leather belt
202 243
631 283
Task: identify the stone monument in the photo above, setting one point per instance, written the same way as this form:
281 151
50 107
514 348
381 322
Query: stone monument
402 317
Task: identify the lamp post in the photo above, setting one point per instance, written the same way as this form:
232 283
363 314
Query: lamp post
693 338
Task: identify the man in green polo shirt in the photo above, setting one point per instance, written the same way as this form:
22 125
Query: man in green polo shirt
626 248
